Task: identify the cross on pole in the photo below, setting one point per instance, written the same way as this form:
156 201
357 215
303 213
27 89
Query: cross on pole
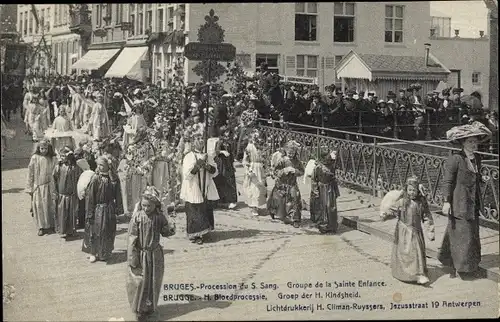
210 49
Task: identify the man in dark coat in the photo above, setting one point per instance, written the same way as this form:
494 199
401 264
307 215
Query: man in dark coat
350 121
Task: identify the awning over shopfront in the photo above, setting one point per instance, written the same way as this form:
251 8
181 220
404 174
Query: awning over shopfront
128 64
372 67
95 59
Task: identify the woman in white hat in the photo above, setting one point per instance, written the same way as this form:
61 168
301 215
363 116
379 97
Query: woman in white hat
461 248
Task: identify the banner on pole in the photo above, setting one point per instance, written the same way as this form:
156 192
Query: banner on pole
15 59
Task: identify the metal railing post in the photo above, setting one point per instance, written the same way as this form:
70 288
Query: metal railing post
318 148
272 139
375 174
428 134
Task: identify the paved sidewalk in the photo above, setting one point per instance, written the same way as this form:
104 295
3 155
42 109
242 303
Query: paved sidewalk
361 211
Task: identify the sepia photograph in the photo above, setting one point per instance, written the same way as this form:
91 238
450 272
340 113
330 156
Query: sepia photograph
250 161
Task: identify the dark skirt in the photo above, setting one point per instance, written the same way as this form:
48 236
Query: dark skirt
285 201
99 237
199 219
323 208
226 180
461 248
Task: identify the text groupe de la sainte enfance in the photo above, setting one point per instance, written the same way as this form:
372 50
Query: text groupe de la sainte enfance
295 296
267 286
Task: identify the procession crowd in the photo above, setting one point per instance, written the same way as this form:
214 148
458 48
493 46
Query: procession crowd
106 148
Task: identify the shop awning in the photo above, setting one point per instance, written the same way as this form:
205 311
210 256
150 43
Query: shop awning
95 59
128 64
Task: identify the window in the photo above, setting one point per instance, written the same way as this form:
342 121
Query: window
20 23
56 14
25 23
36 24
160 21
394 23
134 25
158 65
140 24
343 22
271 60
64 15
48 19
61 13
149 20
42 20
98 15
119 13
307 66
56 54
30 28
441 26
476 78
306 16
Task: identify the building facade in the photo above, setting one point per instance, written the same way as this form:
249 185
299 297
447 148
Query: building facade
468 17
31 31
321 35
468 60
66 45
137 25
49 32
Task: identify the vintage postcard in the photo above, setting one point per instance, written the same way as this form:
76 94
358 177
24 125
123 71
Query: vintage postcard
250 161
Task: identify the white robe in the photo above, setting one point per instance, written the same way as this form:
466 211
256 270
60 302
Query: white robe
76 110
191 184
100 122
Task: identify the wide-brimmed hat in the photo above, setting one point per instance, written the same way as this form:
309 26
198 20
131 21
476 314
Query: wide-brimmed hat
457 90
391 95
415 87
461 132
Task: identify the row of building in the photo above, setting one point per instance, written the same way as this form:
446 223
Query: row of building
307 40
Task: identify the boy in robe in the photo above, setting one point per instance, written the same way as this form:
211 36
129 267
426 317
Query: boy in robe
145 254
408 261
285 198
103 203
324 193
66 175
41 186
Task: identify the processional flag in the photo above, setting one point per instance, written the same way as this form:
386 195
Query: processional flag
15 59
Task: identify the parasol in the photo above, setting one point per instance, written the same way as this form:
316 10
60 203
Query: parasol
441 86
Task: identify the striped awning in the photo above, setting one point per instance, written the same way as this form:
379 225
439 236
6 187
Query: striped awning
95 59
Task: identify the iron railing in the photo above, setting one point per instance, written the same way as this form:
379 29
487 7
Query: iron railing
370 163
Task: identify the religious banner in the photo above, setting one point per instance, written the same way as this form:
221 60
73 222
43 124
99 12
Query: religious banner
15 59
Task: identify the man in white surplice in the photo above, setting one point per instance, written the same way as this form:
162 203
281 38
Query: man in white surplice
199 208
